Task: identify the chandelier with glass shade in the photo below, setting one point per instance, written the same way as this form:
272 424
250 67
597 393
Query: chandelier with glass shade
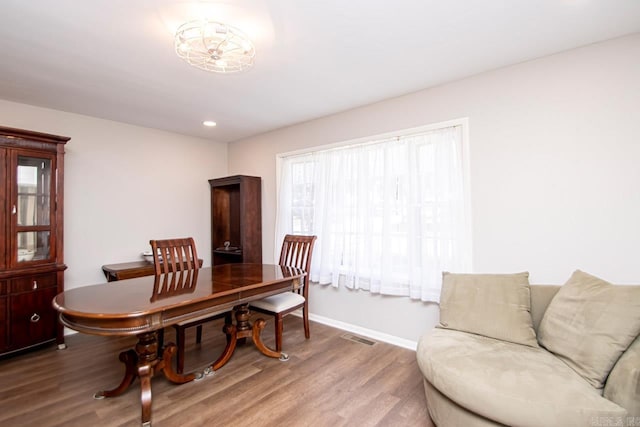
214 46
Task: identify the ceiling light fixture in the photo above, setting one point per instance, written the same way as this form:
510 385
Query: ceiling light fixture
209 123
213 46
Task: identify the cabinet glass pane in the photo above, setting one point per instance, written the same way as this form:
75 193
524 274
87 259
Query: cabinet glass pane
34 185
33 245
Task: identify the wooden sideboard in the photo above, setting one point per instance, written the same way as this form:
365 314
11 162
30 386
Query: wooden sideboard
130 270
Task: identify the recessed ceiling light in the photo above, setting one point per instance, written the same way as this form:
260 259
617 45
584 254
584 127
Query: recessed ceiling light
209 123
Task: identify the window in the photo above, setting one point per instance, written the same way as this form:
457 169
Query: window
390 213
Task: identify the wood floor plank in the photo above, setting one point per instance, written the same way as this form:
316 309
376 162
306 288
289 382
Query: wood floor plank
328 381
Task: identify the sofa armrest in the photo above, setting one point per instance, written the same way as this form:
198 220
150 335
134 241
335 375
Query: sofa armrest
623 383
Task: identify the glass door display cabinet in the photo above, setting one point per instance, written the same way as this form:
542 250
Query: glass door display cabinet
31 238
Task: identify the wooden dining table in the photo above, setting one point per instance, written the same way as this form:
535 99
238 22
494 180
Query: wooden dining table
142 306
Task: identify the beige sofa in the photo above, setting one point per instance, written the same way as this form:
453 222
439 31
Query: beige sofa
475 380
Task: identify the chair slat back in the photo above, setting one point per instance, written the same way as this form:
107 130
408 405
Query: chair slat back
297 252
172 255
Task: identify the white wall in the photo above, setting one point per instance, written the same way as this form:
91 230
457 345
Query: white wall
125 185
555 155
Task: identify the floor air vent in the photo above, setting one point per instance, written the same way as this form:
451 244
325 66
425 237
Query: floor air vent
357 339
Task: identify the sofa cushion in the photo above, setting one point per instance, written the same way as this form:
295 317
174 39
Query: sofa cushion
509 383
541 296
623 383
590 323
493 305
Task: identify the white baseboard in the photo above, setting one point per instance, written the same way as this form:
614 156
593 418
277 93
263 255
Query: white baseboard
370 333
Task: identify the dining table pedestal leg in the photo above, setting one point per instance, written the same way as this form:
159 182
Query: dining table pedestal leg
238 333
243 324
256 332
143 362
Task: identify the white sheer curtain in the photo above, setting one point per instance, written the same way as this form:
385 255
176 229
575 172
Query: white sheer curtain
390 215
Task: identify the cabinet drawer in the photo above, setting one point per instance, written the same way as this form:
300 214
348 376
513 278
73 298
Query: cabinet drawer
35 282
3 324
32 318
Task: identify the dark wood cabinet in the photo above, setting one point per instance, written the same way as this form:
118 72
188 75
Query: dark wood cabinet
236 219
31 237
32 319
3 321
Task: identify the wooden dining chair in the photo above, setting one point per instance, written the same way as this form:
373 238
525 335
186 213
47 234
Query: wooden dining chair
172 255
296 252
175 256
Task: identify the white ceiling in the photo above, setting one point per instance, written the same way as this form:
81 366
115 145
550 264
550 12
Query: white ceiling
115 59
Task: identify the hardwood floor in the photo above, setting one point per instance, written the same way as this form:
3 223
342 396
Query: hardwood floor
328 381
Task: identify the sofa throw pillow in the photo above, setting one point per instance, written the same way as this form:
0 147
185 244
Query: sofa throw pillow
494 305
590 323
